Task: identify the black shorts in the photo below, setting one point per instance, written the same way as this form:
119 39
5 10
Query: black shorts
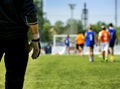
111 44
79 45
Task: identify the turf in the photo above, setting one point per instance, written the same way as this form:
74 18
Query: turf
69 72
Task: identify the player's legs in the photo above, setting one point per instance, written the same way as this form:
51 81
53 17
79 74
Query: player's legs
111 46
81 49
77 48
111 49
16 57
91 56
111 54
106 47
100 51
103 55
67 49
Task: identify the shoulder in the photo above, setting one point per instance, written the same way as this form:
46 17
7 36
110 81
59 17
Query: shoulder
100 33
86 33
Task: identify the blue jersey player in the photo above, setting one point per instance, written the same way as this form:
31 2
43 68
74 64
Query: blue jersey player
90 38
113 39
67 44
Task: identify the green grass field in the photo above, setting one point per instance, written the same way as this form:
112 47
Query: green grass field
69 72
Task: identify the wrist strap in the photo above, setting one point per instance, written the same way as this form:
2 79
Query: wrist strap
35 40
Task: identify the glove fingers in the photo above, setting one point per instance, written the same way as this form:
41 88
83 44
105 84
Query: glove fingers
36 49
35 54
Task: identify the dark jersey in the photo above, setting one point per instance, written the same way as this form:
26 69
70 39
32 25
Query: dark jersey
14 16
113 35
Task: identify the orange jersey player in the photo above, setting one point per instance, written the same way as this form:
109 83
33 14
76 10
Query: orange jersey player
80 42
104 37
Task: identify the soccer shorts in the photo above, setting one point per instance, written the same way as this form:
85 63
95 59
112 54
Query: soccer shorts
104 46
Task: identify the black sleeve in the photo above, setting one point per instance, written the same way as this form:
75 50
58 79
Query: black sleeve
30 11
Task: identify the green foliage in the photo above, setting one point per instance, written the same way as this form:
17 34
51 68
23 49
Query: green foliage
59 27
76 26
97 27
65 29
118 33
80 26
47 33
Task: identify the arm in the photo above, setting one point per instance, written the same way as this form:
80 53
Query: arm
99 37
85 35
30 13
35 44
96 40
35 31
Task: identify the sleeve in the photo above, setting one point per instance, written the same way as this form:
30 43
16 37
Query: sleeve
30 11
85 34
99 35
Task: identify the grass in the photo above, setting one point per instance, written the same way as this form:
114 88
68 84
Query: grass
69 72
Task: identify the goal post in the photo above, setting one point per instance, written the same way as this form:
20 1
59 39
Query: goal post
60 39
59 45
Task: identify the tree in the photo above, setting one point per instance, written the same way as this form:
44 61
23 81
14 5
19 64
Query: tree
44 23
80 26
77 25
118 32
97 26
59 26
47 33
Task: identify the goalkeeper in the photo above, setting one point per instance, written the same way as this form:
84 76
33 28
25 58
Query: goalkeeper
16 17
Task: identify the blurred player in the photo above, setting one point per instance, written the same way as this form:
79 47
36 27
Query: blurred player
80 43
104 37
90 38
67 44
114 38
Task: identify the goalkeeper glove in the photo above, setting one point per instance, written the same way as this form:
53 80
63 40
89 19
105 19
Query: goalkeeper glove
35 45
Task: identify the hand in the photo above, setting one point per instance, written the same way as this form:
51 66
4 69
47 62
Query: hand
35 45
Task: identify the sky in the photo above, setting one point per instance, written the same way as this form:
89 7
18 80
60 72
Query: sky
98 10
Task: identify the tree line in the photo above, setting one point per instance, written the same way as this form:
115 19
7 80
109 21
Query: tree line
64 27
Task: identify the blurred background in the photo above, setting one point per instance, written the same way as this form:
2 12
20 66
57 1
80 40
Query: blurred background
60 17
